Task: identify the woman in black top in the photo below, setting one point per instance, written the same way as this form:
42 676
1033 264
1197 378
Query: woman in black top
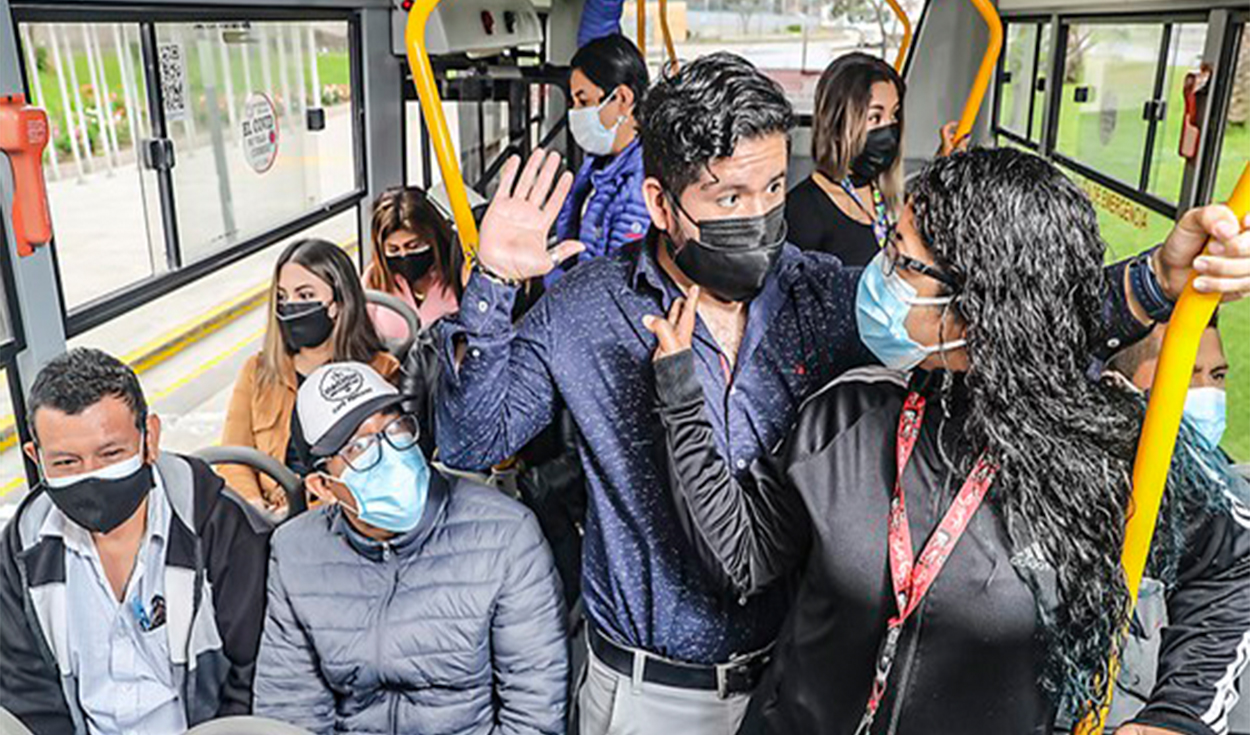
958 535
846 206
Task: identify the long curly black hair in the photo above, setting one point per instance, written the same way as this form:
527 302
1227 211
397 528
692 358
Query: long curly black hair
1022 242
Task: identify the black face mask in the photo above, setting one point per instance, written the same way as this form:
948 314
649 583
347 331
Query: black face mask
732 257
304 324
413 265
879 154
100 505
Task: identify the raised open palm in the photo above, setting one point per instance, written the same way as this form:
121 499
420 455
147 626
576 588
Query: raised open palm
513 239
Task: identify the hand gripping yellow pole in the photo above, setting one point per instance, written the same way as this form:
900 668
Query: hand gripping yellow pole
436 123
986 72
905 44
1158 437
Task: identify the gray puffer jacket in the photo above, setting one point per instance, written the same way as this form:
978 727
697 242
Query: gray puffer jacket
455 627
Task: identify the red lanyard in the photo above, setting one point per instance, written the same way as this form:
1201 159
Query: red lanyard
912 579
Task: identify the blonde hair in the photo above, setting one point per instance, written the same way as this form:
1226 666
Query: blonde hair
840 124
354 337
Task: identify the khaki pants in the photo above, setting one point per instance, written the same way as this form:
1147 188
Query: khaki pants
609 703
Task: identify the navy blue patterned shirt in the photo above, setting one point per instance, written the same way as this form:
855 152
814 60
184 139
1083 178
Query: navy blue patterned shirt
584 344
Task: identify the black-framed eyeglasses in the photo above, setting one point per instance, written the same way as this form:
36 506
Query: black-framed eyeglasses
896 259
363 452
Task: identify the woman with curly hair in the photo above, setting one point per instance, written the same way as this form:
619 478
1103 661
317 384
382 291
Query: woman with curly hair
957 533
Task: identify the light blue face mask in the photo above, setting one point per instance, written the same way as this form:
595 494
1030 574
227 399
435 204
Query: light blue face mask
589 132
1206 409
881 307
391 494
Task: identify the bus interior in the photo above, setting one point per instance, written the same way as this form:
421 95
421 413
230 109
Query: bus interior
191 140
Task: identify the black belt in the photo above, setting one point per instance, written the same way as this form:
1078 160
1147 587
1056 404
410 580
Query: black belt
739 676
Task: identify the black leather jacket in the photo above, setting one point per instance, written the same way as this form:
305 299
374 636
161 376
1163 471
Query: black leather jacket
970 659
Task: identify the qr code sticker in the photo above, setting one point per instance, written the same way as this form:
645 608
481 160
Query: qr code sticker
173 72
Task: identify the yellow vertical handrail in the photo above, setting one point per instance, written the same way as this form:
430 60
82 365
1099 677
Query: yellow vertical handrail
905 44
436 123
986 72
642 26
1158 437
668 36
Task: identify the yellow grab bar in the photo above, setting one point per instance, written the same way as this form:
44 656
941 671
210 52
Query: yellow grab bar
1158 437
986 72
436 122
905 44
668 36
642 26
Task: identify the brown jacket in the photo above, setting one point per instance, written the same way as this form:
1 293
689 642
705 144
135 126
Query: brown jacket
262 420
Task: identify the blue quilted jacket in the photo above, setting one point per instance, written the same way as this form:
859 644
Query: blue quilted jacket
455 628
615 213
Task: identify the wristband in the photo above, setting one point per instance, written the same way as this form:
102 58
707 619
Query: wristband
1147 289
490 275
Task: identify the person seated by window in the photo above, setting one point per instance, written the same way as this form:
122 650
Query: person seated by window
605 208
317 315
1206 402
1205 414
958 531
416 259
846 206
408 601
132 581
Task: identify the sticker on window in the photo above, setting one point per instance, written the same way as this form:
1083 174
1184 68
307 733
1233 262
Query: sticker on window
260 132
173 73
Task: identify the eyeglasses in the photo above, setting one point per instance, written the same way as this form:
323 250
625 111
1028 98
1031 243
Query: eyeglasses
362 453
895 259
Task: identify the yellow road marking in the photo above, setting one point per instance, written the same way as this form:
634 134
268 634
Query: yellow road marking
208 365
11 485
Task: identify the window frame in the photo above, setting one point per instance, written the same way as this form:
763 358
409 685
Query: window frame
98 311
1137 191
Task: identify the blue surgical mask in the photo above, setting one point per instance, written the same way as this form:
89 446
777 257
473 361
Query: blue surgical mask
881 307
1206 409
391 494
589 132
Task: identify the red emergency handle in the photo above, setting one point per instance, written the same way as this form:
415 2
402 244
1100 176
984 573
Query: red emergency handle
23 136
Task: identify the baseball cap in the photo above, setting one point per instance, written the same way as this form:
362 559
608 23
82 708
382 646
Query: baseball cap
336 399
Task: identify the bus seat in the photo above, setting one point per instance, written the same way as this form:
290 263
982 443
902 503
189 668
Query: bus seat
291 484
246 726
10 725
397 347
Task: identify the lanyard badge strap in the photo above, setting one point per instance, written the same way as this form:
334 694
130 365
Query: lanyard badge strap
911 577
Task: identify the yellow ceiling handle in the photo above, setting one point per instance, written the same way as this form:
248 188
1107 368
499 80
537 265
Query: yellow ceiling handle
905 44
1163 420
436 123
642 26
986 72
668 36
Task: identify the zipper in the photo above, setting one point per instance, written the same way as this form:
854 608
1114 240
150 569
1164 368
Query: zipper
908 668
388 557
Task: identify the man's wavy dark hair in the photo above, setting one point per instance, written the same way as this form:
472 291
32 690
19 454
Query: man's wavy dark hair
693 117
1022 242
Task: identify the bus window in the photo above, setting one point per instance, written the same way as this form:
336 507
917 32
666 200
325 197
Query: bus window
12 469
479 131
1016 79
1040 82
790 40
1109 76
1183 56
260 116
1235 317
190 345
1235 149
89 78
